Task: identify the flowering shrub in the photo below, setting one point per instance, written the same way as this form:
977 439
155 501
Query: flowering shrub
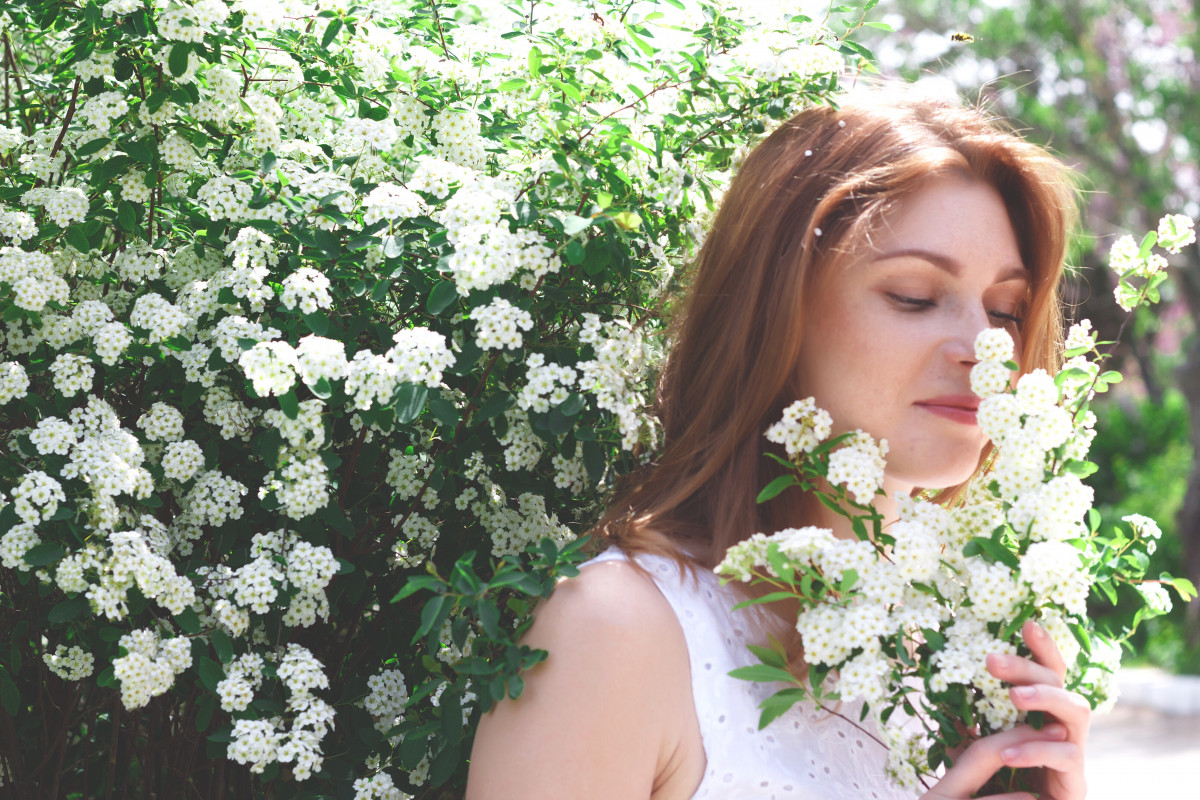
325 328
922 602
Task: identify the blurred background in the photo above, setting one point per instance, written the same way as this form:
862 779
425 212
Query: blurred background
1114 89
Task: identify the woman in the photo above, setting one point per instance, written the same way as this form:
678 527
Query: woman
855 257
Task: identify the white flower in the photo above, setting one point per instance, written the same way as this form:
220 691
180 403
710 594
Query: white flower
994 344
1053 571
802 427
1036 392
500 324
70 663
1175 231
859 466
162 423
271 366
989 378
72 374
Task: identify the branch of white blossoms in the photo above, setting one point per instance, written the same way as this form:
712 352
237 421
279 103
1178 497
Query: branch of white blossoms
921 601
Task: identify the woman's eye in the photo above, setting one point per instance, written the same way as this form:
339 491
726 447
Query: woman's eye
1006 318
913 303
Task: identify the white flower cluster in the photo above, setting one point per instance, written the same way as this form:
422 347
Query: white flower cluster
387 201
130 561
307 289
243 676
34 279
100 110
70 663
858 465
802 428
377 787
17 225
162 423
419 356
150 665
500 324
386 699
547 384
615 375
1175 232
14 382
262 742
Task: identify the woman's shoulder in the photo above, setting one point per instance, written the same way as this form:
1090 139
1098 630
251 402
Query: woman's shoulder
612 590
609 692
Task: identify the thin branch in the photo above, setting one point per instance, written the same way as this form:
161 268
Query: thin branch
66 120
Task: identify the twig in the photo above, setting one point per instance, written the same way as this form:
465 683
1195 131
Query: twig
66 120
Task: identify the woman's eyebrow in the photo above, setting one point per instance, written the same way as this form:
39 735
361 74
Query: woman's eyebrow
947 264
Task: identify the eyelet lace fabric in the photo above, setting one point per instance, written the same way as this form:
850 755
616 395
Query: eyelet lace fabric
806 754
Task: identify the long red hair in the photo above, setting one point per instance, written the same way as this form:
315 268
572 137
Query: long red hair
802 199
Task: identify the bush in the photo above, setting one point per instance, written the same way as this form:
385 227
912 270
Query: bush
325 332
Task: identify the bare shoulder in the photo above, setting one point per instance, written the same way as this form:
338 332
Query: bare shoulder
613 692
610 594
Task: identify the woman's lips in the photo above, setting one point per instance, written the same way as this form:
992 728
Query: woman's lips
959 408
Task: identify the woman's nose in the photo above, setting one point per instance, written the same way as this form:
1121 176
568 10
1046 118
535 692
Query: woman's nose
968 324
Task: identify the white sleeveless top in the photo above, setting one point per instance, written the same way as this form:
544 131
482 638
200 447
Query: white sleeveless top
806 754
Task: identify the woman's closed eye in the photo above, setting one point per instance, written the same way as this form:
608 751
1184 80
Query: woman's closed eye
909 303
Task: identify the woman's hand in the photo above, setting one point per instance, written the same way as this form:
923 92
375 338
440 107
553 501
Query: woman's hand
1057 748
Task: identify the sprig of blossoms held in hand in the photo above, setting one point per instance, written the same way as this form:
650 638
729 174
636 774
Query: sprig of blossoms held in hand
928 597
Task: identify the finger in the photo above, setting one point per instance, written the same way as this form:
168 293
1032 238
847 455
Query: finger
1021 671
981 760
1058 756
1069 708
1044 648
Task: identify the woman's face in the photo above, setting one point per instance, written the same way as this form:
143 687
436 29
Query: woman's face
889 345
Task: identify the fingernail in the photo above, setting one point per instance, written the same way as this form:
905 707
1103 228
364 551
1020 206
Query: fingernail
1055 731
1010 754
1024 692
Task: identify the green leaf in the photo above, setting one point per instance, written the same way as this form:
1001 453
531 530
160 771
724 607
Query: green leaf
1185 588
126 215
433 614
496 404
289 404
68 609
188 621
768 656
535 61
92 146
222 644
331 32
572 224
778 704
762 673
322 389
42 554
333 516
10 696
441 297
177 62
77 239
1148 242
512 85
410 402
489 617
443 410
775 487
416 584
593 460
572 405
211 673
393 246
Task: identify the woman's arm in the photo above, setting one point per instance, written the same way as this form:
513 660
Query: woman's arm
600 717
